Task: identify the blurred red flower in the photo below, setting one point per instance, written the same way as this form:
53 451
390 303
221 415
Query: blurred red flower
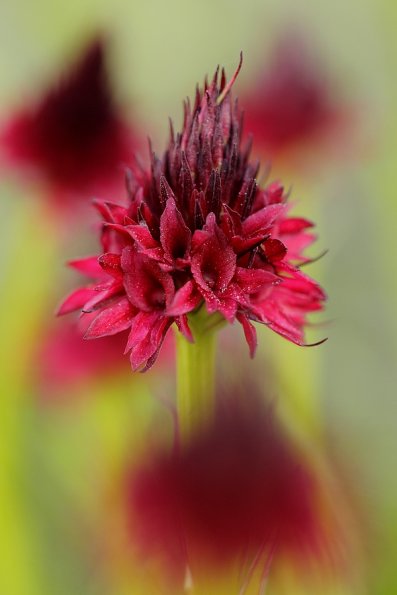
237 492
64 359
74 138
293 104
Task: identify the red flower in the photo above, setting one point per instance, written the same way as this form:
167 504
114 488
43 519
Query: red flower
198 230
74 138
64 359
292 104
234 493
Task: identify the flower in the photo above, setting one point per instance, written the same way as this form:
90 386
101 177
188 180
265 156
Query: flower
293 103
74 138
237 492
198 230
63 359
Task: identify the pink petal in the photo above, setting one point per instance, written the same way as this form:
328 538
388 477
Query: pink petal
183 326
88 266
214 263
294 225
147 286
110 211
175 236
249 332
142 235
279 322
274 250
111 264
148 330
76 300
111 321
252 280
186 299
263 220
102 295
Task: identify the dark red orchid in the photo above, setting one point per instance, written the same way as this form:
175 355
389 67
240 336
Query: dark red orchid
293 103
236 492
198 231
74 138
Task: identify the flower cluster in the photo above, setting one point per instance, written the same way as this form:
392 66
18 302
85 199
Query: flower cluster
198 230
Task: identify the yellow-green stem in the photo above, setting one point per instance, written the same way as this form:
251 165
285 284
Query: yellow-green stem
195 364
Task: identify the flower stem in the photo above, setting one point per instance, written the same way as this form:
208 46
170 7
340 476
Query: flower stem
196 373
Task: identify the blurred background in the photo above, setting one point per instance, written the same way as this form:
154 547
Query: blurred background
72 419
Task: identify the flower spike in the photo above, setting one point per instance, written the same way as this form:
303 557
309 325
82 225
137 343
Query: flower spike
199 231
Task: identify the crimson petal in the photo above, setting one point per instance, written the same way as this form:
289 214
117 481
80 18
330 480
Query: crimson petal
262 220
87 266
249 333
186 299
175 236
112 320
76 300
147 286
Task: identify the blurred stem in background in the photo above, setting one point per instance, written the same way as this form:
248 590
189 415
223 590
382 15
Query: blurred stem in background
195 364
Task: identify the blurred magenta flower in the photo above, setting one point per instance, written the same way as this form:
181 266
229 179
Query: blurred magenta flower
236 493
74 138
64 359
198 230
293 105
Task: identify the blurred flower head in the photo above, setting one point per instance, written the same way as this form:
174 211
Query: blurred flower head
74 138
293 105
236 493
199 230
64 359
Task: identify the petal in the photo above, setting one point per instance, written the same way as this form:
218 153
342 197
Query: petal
112 320
183 326
214 263
249 332
102 296
76 300
282 324
274 250
111 264
148 287
186 299
110 211
142 235
175 236
88 266
148 330
252 280
263 220
293 225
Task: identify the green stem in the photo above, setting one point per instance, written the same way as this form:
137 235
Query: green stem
196 373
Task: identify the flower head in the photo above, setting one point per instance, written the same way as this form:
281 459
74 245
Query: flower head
198 230
236 492
292 105
74 137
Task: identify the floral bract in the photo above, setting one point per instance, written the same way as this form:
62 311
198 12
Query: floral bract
198 232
